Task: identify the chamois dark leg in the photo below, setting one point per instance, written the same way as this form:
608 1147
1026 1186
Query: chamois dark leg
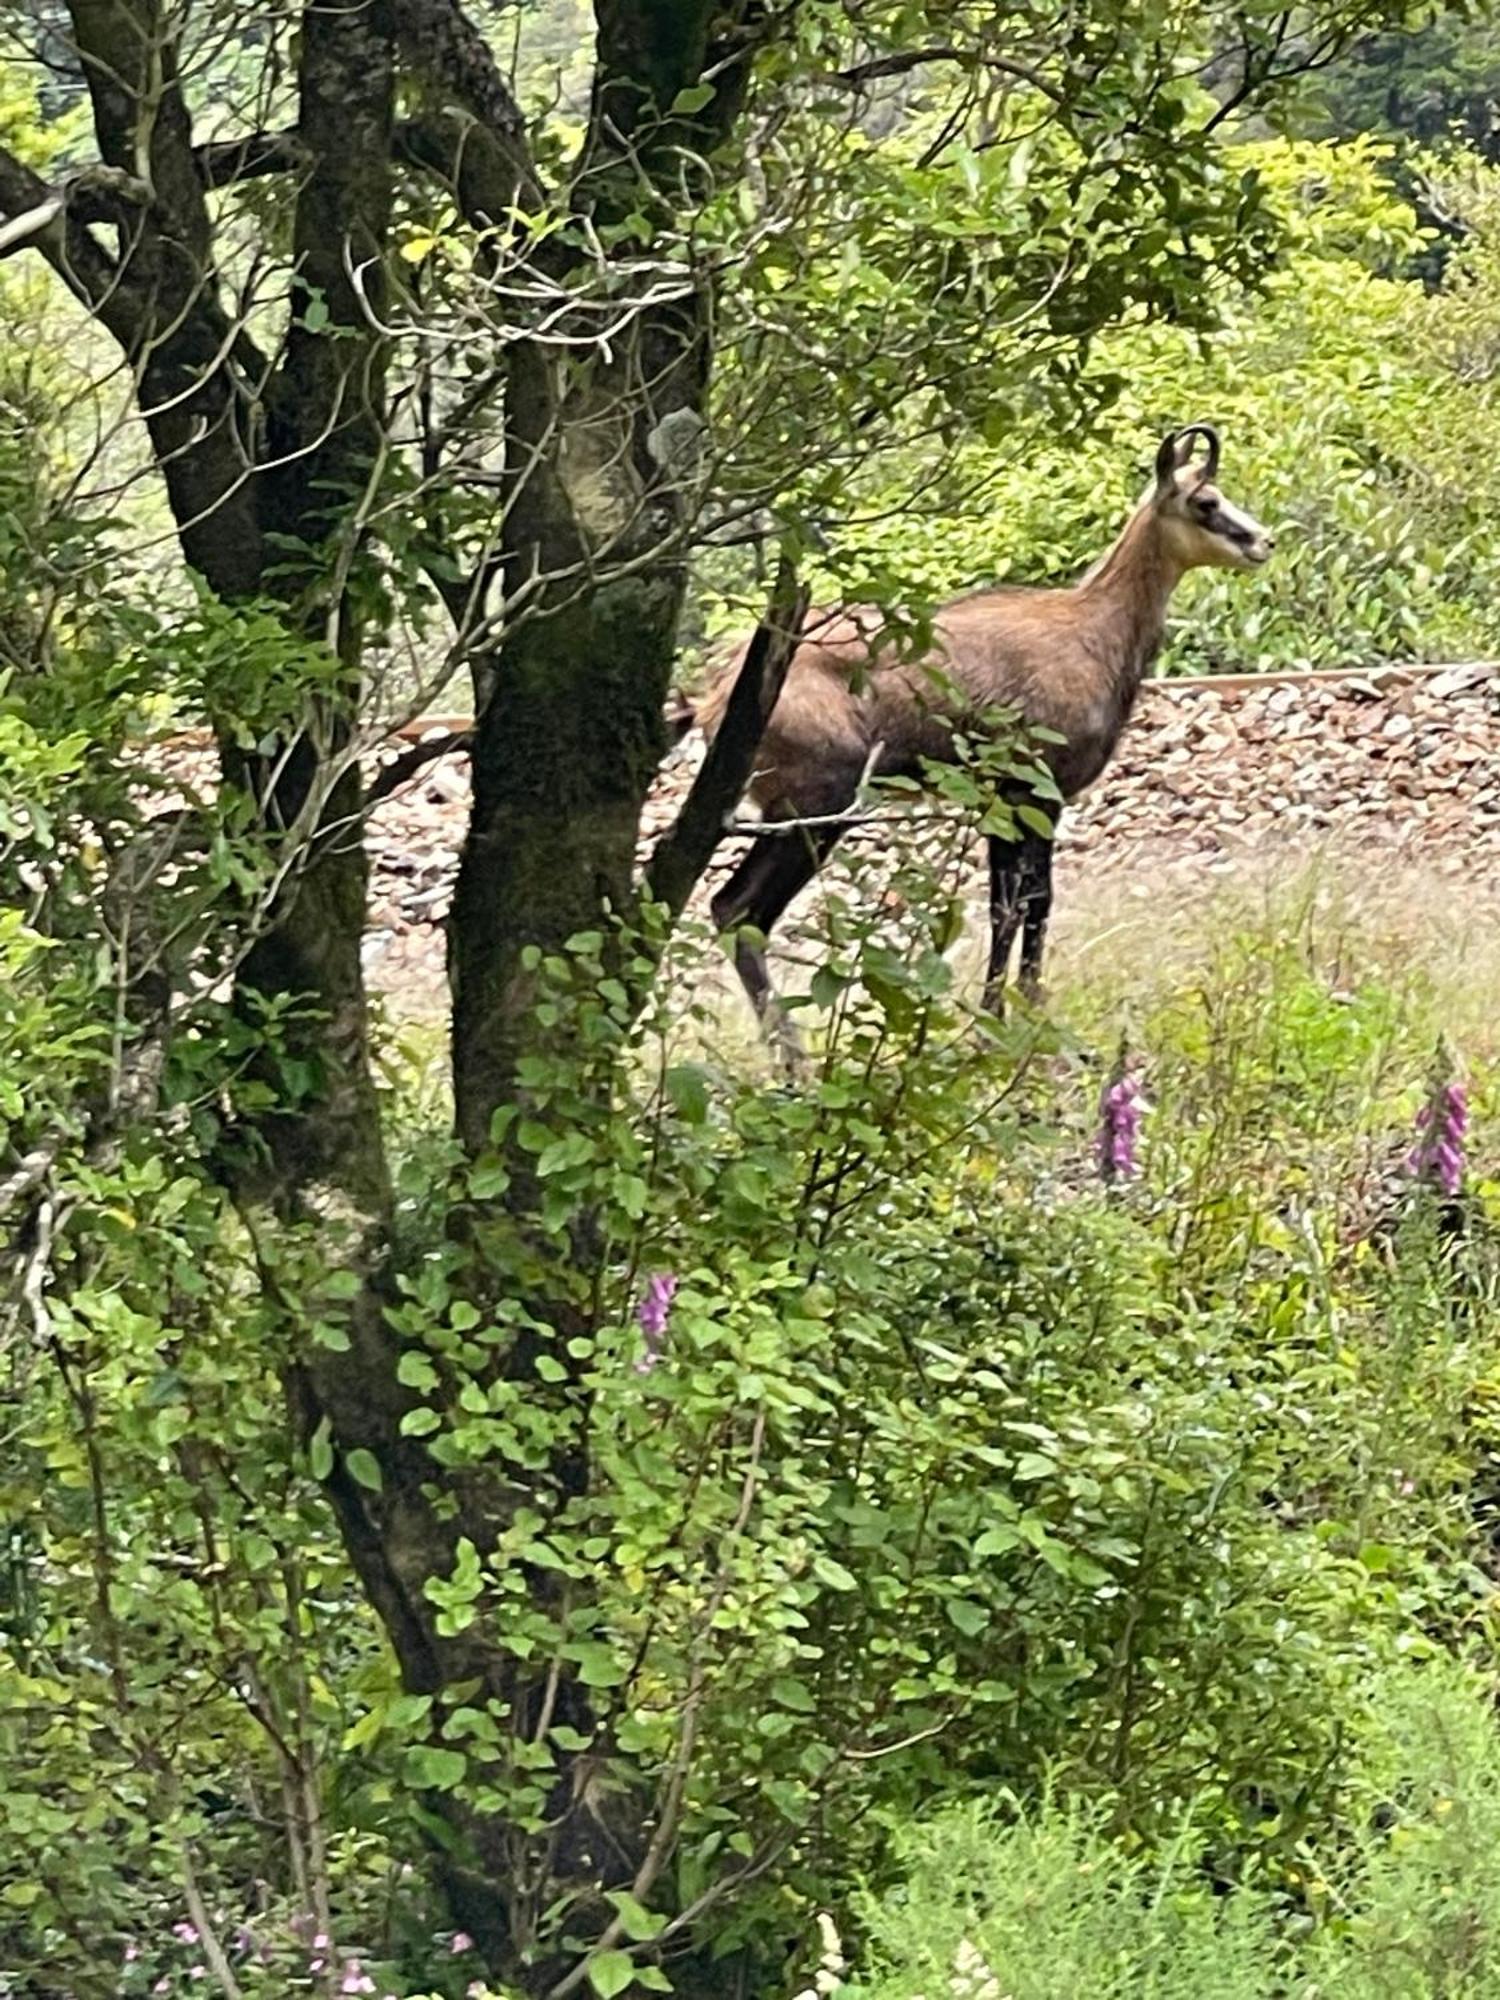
1036 907
1006 878
1020 900
775 870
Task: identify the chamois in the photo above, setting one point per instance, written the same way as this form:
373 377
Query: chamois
1068 660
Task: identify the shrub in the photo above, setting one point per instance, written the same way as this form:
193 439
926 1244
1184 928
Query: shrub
1399 1897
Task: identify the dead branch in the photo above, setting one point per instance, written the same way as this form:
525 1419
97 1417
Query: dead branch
682 854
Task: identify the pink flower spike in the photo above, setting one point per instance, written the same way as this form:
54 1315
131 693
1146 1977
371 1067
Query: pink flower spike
652 1315
1438 1156
186 1932
461 1942
1122 1106
356 1979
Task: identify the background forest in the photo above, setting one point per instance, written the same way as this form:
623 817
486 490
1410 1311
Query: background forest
557 1510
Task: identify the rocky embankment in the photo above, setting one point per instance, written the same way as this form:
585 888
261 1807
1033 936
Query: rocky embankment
1211 775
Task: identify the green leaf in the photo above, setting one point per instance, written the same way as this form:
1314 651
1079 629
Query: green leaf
995 1541
598 1665
686 102
638 1923
364 1470
416 1370
320 1451
431 1769
969 1617
611 1972
687 1086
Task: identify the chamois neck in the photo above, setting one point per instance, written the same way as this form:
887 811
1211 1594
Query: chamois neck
1128 589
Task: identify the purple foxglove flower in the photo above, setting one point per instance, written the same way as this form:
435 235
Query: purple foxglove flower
1121 1110
1442 1123
652 1314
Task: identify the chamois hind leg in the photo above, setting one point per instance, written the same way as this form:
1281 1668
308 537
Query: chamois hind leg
1036 907
775 870
1020 900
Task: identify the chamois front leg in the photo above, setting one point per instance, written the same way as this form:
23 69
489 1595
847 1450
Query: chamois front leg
1036 906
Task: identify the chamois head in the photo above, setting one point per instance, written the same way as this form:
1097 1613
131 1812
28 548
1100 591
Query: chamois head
1202 528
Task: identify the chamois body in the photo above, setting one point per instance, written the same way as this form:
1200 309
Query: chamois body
1070 661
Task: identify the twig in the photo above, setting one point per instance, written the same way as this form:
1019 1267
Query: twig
844 818
33 1167
213 1951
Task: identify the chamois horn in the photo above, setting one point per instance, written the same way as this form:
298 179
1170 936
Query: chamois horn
1211 438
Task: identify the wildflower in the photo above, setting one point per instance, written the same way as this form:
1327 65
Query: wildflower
132 1953
461 1942
1121 1110
652 1314
356 1979
186 1932
1438 1156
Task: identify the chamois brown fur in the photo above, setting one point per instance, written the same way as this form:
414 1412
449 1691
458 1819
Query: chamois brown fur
1070 660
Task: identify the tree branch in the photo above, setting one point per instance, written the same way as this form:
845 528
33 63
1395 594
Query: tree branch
438 37
858 75
682 854
38 218
391 777
225 162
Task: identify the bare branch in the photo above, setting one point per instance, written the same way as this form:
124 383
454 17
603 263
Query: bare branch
902 63
682 854
225 162
39 219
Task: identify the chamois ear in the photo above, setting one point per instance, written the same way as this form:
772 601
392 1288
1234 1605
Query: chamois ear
1167 460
